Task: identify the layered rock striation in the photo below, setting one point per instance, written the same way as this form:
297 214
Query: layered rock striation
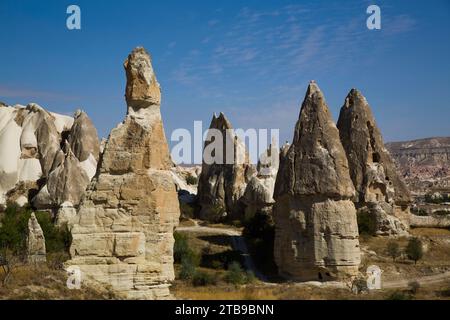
123 234
316 231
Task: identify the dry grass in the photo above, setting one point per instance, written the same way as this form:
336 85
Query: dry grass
42 283
293 292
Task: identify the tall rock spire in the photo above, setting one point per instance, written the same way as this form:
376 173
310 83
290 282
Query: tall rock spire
316 232
123 234
378 186
222 183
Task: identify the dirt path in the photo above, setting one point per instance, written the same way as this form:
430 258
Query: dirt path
423 281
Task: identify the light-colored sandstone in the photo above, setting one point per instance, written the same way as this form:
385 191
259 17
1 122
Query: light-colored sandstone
123 232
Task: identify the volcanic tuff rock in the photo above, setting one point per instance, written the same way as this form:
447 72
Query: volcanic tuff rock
258 196
222 183
30 150
67 183
379 189
316 232
123 235
35 242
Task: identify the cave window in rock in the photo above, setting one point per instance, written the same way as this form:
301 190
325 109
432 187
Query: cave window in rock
320 276
375 157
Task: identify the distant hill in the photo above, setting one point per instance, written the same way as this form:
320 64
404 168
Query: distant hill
424 163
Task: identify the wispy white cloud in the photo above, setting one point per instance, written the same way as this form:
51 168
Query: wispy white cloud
282 46
30 94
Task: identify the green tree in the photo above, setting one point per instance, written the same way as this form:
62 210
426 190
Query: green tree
235 274
393 250
414 249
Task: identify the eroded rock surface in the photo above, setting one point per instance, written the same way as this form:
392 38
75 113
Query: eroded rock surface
36 252
123 235
32 143
222 183
380 191
316 231
258 196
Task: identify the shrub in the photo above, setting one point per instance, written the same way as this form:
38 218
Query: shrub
414 250
14 229
359 286
202 278
191 180
414 286
419 212
57 239
399 295
220 260
187 269
393 250
180 247
218 212
441 213
235 274
187 212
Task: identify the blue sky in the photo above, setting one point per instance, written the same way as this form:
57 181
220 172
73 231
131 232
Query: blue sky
250 59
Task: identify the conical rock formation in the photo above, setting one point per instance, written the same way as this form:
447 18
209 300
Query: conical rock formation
36 252
226 170
316 232
380 191
123 235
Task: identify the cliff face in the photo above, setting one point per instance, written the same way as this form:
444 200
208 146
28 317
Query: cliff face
423 163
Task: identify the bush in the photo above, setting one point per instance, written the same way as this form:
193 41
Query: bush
419 212
414 286
180 247
203 279
14 229
191 180
414 250
220 260
235 275
187 212
393 250
187 269
399 295
186 256
366 223
56 239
